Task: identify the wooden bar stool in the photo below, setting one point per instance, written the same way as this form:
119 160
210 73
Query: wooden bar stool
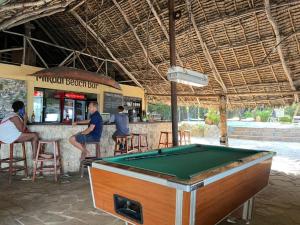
164 139
137 141
184 137
126 141
12 161
89 158
53 157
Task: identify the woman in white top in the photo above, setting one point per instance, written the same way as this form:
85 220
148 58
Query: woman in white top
13 127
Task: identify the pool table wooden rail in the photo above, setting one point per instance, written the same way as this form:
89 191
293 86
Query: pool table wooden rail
197 181
205 199
165 205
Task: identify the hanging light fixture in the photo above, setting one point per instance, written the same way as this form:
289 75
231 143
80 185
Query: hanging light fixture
189 77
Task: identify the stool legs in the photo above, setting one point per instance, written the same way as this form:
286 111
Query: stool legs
55 158
125 141
11 156
164 142
25 159
60 158
35 162
55 161
98 150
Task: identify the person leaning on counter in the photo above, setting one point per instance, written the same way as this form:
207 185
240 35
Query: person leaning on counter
91 134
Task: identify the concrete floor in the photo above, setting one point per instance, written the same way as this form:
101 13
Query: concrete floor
69 202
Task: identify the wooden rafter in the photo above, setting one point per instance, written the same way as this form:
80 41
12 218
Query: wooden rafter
97 38
233 94
23 17
215 71
279 47
138 39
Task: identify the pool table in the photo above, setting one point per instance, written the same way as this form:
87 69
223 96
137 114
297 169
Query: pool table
186 185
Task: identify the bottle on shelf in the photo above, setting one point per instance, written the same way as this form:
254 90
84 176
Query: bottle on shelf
33 117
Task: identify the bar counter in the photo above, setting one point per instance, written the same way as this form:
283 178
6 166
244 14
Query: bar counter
71 155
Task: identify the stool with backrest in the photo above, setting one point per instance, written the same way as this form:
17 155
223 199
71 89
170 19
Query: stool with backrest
165 139
52 159
124 141
12 161
139 142
89 158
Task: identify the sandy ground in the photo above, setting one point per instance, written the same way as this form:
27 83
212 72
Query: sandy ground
69 202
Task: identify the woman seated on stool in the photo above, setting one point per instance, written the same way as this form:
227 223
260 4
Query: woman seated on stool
90 134
13 127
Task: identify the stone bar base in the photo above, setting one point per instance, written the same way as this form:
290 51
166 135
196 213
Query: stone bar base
71 155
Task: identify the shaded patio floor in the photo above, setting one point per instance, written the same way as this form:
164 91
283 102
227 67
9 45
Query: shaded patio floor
69 202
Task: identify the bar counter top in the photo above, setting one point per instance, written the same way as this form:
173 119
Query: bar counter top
105 124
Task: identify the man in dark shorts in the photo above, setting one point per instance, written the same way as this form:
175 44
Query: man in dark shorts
91 134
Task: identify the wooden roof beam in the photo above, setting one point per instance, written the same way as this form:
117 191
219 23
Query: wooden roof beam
95 36
246 94
21 5
21 18
205 50
138 39
279 47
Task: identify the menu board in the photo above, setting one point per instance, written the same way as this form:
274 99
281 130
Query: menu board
111 102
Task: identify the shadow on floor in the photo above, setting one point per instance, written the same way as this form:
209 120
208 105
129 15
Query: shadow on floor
69 203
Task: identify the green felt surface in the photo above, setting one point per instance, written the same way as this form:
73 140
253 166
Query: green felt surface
184 161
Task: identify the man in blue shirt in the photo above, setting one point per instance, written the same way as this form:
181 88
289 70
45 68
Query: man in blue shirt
122 123
91 134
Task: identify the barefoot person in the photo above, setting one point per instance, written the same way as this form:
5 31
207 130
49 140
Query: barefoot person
90 134
13 127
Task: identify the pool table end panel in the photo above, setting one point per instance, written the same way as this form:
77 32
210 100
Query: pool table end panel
158 202
224 196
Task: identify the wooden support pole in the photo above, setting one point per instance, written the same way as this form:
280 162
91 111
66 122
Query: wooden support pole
173 63
223 120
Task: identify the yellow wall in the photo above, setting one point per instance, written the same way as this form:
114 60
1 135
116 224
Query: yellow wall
22 72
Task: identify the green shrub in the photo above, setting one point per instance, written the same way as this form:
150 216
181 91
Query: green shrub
248 114
264 115
213 116
285 119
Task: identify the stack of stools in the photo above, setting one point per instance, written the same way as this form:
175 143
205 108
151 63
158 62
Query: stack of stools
52 159
12 161
165 139
184 137
126 141
88 160
138 143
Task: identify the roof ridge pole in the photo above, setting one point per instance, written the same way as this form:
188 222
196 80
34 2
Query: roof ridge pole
279 47
172 44
205 50
94 35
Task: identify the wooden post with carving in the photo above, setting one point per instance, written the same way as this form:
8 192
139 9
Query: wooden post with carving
223 120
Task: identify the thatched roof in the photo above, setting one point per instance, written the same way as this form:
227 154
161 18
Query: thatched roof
249 48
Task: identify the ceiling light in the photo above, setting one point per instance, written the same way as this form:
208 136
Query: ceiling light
184 76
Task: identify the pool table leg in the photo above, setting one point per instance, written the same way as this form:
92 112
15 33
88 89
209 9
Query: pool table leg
248 210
